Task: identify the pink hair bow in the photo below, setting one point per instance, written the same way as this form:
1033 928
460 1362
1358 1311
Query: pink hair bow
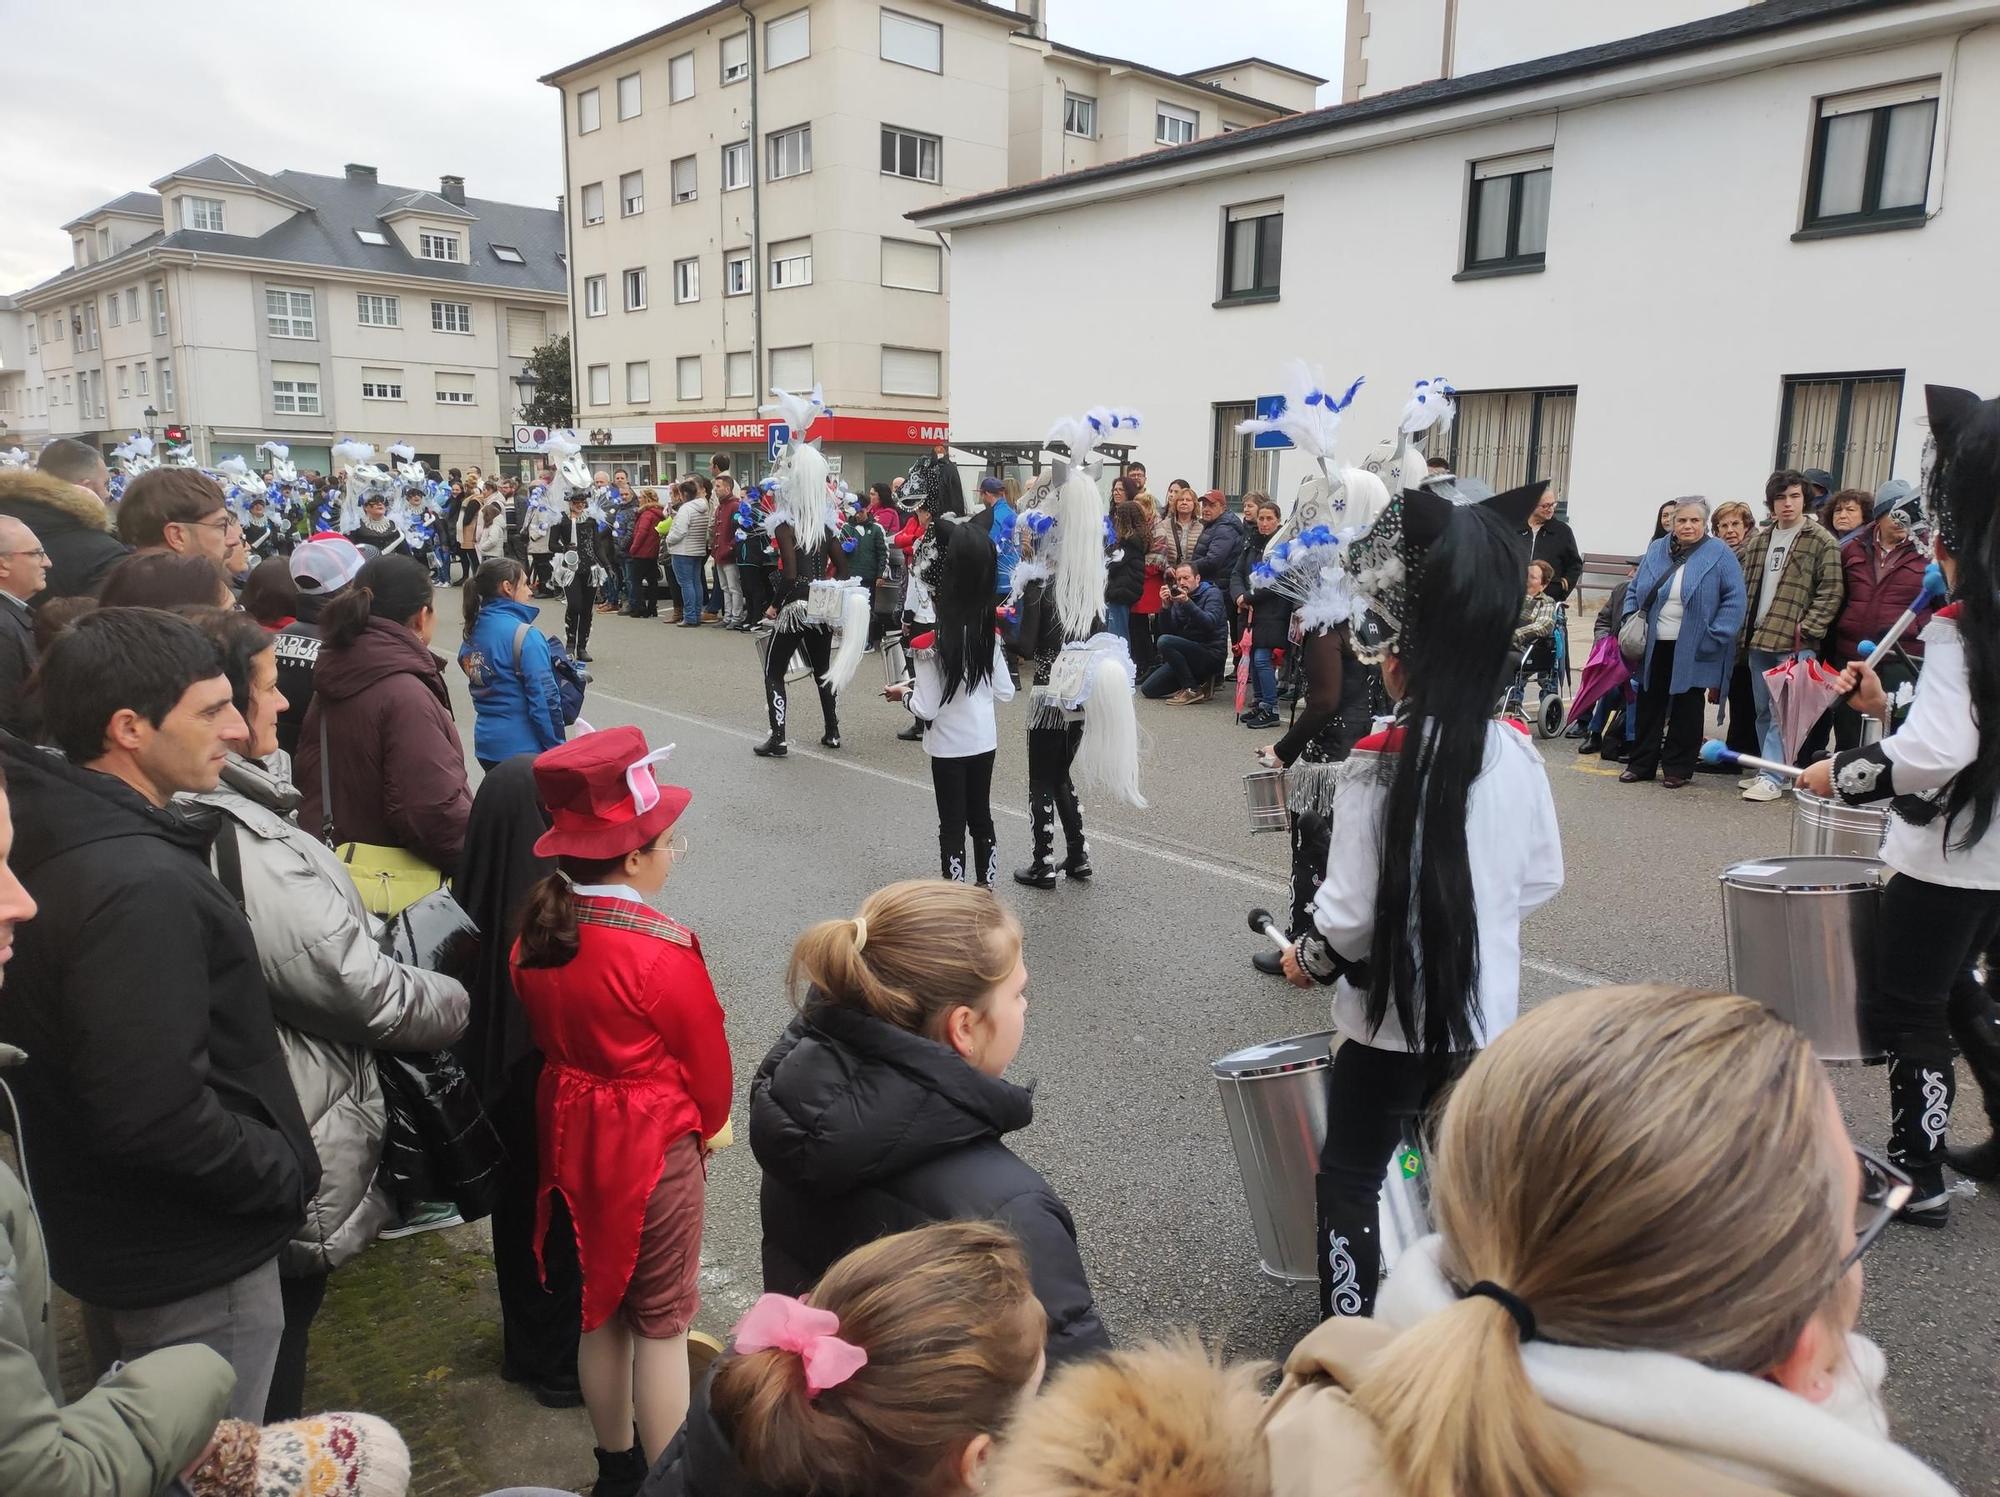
777 1322
643 783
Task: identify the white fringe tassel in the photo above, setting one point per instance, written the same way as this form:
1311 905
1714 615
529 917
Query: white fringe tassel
1108 757
1079 561
853 641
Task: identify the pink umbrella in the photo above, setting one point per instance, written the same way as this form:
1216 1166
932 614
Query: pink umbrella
1801 691
1603 673
1242 670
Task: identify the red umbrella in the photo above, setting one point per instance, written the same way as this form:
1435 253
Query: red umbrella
1801 691
1603 673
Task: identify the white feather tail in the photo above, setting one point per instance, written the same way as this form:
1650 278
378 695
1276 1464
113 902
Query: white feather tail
1079 560
853 641
1107 759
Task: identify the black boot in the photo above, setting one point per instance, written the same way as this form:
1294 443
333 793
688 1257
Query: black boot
1076 864
619 1472
1594 744
1920 1091
951 860
830 715
1041 873
985 860
1975 1024
774 746
913 732
1271 963
1349 1249
771 748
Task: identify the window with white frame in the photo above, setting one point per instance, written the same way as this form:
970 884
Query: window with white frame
687 281
593 203
683 177
792 368
736 272
295 389
628 97
166 385
372 309
131 303
1871 157
680 78
1080 115
589 113
159 309
905 153
204 214
1507 218
288 313
451 317
381 384
1172 125
90 322
453 388
34 333
631 194
791 263
111 317
594 296
68 395
373 237
144 377
599 378
912 371
739 373
787 39
635 289
1253 239
507 254
638 382
913 43
736 57
104 244
687 377
124 381
790 152
910 266
735 165
435 245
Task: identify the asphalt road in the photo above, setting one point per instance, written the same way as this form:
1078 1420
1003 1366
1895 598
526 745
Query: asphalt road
1141 978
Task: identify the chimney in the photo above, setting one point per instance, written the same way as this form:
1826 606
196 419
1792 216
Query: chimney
1032 11
452 190
356 172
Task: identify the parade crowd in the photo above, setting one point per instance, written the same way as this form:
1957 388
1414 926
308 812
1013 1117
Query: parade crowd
280 979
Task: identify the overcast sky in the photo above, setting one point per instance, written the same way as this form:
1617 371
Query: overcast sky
119 93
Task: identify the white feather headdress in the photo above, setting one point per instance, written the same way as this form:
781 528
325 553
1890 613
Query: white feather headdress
1311 413
802 473
1432 404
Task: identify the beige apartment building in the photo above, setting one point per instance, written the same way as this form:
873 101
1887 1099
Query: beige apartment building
738 193
245 307
24 417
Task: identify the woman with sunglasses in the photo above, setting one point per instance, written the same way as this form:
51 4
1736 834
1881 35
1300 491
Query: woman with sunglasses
1623 1294
636 1077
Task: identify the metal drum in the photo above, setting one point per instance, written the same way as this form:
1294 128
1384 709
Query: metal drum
1274 1096
1800 936
1832 828
1264 789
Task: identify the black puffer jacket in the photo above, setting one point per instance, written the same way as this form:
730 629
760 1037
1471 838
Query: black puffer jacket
700 1461
72 525
863 1129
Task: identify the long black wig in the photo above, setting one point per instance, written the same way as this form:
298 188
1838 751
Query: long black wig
1964 493
963 583
1424 962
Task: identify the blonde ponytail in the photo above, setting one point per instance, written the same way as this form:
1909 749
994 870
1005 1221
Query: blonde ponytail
916 951
1593 1164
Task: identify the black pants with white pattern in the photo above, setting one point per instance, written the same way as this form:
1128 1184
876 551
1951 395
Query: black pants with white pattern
817 647
964 788
1051 793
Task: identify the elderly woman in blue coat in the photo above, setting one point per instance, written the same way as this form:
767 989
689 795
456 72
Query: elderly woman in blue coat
1690 587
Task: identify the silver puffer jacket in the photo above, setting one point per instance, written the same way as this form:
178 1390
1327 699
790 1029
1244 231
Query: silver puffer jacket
336 997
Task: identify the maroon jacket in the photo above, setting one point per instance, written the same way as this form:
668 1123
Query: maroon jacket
397 767
645 544
1879 588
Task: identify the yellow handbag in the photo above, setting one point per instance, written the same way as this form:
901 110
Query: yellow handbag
390 879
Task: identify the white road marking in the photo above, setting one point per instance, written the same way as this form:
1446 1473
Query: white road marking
1579 976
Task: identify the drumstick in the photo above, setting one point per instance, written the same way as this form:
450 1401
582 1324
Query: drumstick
1715 753
1262 922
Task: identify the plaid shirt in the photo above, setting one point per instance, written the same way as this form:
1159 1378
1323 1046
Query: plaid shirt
1808 594
1537 620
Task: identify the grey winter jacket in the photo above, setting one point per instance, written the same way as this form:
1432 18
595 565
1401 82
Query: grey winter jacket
128 1436
336 997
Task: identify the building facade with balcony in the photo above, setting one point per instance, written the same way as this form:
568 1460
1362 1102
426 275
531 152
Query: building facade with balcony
739 189
248 307
1660 264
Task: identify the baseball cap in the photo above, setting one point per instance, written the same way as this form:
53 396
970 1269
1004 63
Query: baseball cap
326 563
992 486
1819 478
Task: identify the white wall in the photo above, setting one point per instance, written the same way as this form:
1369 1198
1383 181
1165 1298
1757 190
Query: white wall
1494 33
1674 297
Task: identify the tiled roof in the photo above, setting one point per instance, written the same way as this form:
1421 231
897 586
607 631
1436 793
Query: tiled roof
225 172
336 207
429 204
1256 62
131 204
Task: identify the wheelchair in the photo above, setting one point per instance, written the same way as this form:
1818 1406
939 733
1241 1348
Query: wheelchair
1544 658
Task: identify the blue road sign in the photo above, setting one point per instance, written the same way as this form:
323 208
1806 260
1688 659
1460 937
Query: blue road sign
776 435
1268 408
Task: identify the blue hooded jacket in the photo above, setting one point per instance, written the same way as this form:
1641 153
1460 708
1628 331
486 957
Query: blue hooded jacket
517 711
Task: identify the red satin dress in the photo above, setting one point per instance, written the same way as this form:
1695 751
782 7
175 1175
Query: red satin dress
636 1060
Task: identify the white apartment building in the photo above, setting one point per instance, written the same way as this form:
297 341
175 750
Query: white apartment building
24 417
245 307
738 191
1657 265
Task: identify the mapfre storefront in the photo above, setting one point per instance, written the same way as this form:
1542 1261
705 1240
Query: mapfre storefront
860 449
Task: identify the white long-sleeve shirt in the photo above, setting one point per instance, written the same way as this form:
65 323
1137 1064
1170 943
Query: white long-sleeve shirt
1936 741
963 726
1513 844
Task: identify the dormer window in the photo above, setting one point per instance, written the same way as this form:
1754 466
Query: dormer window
104 244
432 246
204 214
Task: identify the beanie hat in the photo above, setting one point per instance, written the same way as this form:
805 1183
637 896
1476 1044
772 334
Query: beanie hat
327 1455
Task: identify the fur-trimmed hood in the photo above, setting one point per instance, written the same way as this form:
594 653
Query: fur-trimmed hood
30 487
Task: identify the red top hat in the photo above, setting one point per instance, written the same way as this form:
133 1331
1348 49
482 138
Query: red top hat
602 797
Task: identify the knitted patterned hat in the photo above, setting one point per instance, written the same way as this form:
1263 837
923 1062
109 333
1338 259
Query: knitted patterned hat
328 1455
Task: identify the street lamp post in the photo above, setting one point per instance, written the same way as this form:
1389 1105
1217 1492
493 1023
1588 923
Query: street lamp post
524 386
151 415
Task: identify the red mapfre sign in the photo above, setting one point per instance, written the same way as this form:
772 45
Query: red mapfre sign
826 429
